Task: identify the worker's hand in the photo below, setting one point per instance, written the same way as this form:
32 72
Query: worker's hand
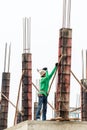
47 94
56 64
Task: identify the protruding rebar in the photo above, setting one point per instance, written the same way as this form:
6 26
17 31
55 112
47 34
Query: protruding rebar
68 13
9 57
5 57
86 64
26 34
64 14
82 66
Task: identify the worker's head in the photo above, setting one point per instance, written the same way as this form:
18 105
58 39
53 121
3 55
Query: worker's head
42 73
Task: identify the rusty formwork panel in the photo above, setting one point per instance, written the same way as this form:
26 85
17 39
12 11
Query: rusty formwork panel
63 86
4 103
19 117
84 101
35 109
27 86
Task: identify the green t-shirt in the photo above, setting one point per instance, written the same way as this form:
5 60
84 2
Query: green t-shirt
44 82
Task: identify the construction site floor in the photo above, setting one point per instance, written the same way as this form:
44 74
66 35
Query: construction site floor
50 125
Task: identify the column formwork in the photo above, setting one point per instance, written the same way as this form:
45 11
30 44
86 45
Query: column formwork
63 85
4 102
27 86
84 100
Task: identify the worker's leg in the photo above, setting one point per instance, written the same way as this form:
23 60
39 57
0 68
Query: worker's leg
44 107
39 107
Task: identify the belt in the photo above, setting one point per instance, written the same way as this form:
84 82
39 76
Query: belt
40 94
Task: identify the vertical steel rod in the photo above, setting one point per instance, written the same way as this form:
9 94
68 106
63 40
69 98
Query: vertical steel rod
68 13
5 57
9 57
64 14
86 64
28 34
82 66
24 35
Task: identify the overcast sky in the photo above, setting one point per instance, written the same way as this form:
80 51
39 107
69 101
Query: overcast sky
46 20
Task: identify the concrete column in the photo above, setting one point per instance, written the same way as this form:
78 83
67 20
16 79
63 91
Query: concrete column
63 86
4 103
27 86
84 101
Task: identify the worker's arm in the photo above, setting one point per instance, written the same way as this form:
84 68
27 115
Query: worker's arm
53 71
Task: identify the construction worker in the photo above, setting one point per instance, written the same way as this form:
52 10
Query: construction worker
43 92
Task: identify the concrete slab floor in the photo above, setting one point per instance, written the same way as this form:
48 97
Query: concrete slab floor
50 125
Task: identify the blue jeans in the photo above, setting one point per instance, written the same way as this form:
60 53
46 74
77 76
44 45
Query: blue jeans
42 101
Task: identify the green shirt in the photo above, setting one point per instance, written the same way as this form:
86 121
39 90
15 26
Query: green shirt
44 82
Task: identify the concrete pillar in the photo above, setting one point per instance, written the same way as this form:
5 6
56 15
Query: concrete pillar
84 101
4 103
27 86
63 86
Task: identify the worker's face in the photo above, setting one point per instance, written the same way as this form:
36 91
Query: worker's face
43 75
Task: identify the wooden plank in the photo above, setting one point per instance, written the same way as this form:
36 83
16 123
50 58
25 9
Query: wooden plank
63 119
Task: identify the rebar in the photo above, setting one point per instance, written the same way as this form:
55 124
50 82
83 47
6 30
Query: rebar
5 57
68 13
86 64
26 34
64 14
82 66
9 57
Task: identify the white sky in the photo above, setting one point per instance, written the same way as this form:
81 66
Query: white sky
46 20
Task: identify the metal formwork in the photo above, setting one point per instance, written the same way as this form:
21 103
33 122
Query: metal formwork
19 117
5 91
84 100
4 102
63 86
35 109
27 86
84 88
